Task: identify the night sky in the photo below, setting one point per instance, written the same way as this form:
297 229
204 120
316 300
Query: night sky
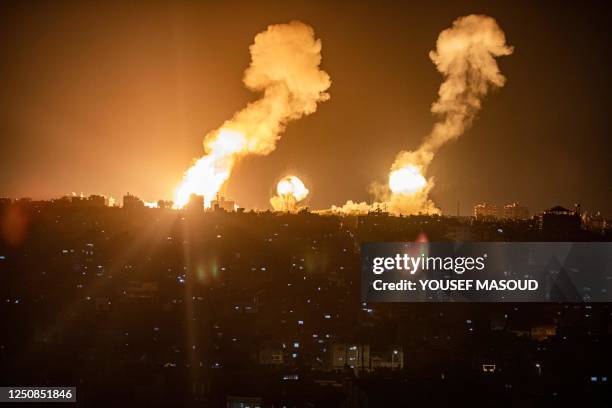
109 98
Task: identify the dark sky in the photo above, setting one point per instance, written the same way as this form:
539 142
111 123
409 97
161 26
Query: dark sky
109 98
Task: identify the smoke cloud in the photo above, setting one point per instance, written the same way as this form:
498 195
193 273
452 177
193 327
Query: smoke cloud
465 55
284 67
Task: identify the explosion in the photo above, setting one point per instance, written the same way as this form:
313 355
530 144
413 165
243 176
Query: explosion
406 180
208 174
284 67
290 191
465 55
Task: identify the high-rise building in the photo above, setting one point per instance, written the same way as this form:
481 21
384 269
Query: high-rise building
486 211
515 211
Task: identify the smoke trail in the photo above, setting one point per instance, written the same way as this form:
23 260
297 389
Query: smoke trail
465 55
284 66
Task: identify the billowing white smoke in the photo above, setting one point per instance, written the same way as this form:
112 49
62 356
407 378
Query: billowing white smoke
284 66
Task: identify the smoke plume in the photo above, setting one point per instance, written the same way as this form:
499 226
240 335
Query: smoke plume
284 67
465 55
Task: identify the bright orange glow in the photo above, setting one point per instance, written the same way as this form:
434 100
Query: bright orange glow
290 191
406 180
209 173
284 68
292 185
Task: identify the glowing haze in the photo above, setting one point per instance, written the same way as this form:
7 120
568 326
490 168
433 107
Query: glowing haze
290 191
284 67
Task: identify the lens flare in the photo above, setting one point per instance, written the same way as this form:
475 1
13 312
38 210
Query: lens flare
406 180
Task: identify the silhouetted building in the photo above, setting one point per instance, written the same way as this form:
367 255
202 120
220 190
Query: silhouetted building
596 223
78 201
359 357
271 354
164 204
543 332
390 359
132 202
96 201
221 204
195 203
559 221
515 211
486 211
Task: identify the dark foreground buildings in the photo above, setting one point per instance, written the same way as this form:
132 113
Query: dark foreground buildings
157 307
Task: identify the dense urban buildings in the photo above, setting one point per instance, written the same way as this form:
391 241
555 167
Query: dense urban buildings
158 307
513 211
